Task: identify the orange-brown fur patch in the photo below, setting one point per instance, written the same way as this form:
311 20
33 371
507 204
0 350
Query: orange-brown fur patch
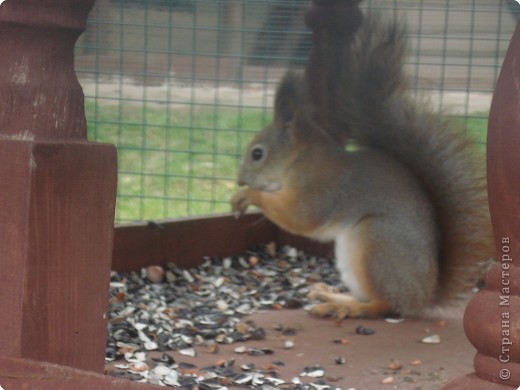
279 207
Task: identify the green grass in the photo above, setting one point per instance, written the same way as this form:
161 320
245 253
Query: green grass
477 126
476 123
174 162
183 161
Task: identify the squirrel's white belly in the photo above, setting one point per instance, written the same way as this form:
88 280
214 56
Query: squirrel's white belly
345 261
345 252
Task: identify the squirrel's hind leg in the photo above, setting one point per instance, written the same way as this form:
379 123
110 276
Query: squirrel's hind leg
388 266
351 250
342 305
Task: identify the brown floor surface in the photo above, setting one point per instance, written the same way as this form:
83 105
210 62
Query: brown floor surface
367 357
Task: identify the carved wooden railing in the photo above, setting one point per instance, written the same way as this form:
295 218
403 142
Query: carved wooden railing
492 319
58 192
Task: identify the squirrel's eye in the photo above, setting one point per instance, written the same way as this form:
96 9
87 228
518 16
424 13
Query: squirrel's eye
257 153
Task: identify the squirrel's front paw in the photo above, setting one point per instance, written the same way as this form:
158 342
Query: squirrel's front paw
240 203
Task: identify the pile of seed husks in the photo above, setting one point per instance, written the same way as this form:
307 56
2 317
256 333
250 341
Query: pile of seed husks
173 309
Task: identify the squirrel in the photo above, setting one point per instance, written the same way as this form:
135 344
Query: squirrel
406 208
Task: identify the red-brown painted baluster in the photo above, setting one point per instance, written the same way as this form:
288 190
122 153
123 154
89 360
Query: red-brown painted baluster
57 192
492 318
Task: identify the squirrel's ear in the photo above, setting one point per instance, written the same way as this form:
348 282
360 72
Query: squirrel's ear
287 98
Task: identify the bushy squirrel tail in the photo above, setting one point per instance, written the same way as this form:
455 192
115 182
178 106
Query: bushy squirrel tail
368 101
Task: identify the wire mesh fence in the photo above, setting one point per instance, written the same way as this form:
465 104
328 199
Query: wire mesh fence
181 86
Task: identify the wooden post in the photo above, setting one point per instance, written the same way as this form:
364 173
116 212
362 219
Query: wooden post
492 318
57 193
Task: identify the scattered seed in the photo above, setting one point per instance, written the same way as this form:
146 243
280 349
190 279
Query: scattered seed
172 379
161 370
247 367
255 352
364 331
227 262
135 357
229 363
257 334
243 262
150 345
188 276
340 360
166 359
275 381
254 260
117 285
172 309
395 365
212 346
123 348
313 372
242 379
319 386
416 362
431 339
220 363
394 320
388 380
187 366
269 367
441 323
222 305
271 249
138 367
292 253
242 327
188 352
154 273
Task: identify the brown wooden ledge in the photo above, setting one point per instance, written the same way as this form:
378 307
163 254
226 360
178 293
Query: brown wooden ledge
187 241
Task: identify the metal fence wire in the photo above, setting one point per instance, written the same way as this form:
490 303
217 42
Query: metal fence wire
180 86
